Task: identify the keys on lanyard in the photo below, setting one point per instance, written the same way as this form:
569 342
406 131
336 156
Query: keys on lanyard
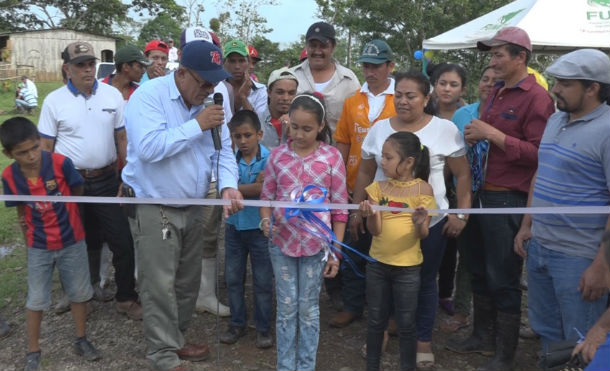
165 232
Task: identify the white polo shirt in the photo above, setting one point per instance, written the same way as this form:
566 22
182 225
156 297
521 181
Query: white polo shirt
83 128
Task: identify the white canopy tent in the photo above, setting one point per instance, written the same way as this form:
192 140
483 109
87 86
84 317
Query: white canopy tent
552 25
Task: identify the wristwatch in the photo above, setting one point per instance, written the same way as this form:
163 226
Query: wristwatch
462 217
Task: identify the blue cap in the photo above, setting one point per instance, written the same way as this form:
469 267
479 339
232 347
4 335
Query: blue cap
206 59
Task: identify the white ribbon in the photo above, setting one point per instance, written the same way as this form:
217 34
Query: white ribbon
284 204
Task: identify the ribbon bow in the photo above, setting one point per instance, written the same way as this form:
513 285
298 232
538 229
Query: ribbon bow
316 195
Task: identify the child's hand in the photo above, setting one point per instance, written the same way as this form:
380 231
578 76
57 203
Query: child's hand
265 228
260 178
332 268
419 216
366 209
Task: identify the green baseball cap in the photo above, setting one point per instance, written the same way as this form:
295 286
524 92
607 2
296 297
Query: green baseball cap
235 46
376 52
130 53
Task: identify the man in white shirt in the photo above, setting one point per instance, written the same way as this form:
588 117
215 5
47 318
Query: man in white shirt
29 84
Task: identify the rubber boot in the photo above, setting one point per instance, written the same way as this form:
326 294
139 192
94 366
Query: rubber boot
482 339
507 339
207 301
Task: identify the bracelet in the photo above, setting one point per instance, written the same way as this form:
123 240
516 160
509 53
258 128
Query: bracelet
354 214
260 224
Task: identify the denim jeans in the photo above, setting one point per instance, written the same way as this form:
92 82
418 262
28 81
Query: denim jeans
384 281
297 284
238 244
496 269
555 305
71 262
432 248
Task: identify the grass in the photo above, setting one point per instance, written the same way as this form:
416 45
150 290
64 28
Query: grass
13 269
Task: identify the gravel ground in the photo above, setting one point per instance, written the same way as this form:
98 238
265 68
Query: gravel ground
122 345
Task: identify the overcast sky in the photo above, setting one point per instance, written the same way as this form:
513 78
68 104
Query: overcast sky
289 19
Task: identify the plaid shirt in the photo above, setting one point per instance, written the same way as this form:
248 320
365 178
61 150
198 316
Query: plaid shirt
287 173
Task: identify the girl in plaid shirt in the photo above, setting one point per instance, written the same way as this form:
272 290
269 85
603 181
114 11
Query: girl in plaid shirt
297 254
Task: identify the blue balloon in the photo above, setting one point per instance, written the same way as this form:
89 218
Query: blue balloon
418 54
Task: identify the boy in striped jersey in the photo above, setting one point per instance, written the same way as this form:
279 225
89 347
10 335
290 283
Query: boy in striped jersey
53 231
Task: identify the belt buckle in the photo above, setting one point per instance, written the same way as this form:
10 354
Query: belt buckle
88 173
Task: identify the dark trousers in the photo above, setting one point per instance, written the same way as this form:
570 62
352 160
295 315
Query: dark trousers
432 248
353 289
402 283
107 222
446 272
496 269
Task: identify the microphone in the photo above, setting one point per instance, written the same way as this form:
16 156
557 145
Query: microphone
207 102
216 131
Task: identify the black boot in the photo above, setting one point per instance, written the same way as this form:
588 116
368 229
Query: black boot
482 339
507 328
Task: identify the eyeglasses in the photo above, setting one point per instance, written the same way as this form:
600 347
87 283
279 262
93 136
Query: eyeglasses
202 85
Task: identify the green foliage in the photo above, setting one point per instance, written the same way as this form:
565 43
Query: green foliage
272 57
161 27
95 16
244 21
403 24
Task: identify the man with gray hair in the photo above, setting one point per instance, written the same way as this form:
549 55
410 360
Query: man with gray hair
171 154
567 275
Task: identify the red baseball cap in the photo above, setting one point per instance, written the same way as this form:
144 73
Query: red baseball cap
507 35
303 55
253 53
156 45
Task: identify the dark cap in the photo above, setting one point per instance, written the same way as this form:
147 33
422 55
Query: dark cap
582 64
206 59
321 31
77 52
376 52
507 35
130 53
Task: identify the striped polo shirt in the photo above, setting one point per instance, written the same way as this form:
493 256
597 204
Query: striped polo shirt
573 170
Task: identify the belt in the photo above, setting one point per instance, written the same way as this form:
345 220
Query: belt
491 187
94 173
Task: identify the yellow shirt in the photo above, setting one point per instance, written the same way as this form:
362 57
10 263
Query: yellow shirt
397 243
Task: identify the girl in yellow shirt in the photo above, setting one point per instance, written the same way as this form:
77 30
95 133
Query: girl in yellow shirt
396 235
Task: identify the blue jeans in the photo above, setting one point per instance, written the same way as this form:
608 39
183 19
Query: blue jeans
432 248
71 262
238 244
384 282
297 284
554 302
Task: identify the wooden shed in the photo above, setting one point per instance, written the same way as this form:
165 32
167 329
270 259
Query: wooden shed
40 50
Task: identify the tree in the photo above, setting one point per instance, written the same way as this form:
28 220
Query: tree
161 27
403 24
96 16
246 23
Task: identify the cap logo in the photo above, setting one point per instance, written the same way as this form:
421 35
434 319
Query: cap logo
370 50
216 57
234 43
317 29
80 48
197 33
